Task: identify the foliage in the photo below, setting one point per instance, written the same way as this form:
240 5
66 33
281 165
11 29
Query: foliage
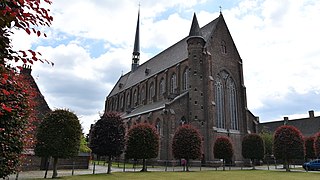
58 136
253 147
309 145
317 144
108 136
268 142
14 111
142 143
84 145
17 121
24 15
288 144
186 143
223 148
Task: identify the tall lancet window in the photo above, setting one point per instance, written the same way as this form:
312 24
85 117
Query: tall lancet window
185 79
162 87
173 83
219 96
151 92
135 97
232 103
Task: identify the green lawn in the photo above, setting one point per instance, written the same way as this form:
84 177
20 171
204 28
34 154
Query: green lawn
203 175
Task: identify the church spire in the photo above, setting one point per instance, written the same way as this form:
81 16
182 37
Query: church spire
136 48
195 29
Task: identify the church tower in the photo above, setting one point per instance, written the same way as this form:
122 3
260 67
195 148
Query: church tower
136 48
196 57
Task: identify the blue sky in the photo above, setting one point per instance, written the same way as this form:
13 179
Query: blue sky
91 43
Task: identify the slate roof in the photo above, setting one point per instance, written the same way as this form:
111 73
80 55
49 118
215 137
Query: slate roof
307 126
167 58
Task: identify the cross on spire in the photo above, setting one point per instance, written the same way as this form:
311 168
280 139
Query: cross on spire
220 9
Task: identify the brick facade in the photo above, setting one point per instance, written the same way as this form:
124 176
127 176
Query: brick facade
204 86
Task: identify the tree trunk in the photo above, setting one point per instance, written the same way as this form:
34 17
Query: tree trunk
224 164
286 163
253 164
109 165
55 167
144 165
187 165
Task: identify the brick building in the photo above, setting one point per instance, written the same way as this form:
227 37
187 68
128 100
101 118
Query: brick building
198 80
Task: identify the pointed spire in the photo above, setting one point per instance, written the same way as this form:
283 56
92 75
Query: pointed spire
195 29
136 48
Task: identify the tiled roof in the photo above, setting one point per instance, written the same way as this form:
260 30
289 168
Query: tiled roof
167 58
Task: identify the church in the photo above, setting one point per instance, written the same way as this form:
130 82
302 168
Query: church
198 81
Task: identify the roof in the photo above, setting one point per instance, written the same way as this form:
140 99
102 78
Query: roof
307 126
167 58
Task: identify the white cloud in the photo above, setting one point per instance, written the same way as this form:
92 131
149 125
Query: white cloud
277 40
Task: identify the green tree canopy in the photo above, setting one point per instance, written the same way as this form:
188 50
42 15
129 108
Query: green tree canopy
108 136
58 136
142 143
288 144
252 147
186 143
268 142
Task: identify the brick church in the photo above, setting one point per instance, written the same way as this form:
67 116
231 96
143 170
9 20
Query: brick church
198 80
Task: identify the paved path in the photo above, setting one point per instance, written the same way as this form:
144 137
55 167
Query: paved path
103 169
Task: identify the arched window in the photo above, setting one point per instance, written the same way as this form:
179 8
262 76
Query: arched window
185 79
158 127
219 97
162 87
121 101
128 100
173 83
135 97
232 103
151 92
143 95
223 47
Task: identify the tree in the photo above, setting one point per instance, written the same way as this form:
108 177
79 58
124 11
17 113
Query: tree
84 145
309 145
108 137
15 108
317 144
268 142
15 102
186 144
223 149
252 147
25 15
58 136
288 144
142 143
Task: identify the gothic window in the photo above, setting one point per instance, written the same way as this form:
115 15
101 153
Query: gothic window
232 102
115 103
135 97
158 127
128 100
219 96
173 83
121 101
223 47
162 87
185 79
142 95
151 91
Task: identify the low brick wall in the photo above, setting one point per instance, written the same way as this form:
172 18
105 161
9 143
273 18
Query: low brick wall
32 162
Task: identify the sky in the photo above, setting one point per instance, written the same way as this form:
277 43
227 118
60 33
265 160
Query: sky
91 43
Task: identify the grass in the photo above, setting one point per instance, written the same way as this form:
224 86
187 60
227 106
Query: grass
203 175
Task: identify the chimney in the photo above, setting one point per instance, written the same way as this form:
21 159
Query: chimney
285 120
311 114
